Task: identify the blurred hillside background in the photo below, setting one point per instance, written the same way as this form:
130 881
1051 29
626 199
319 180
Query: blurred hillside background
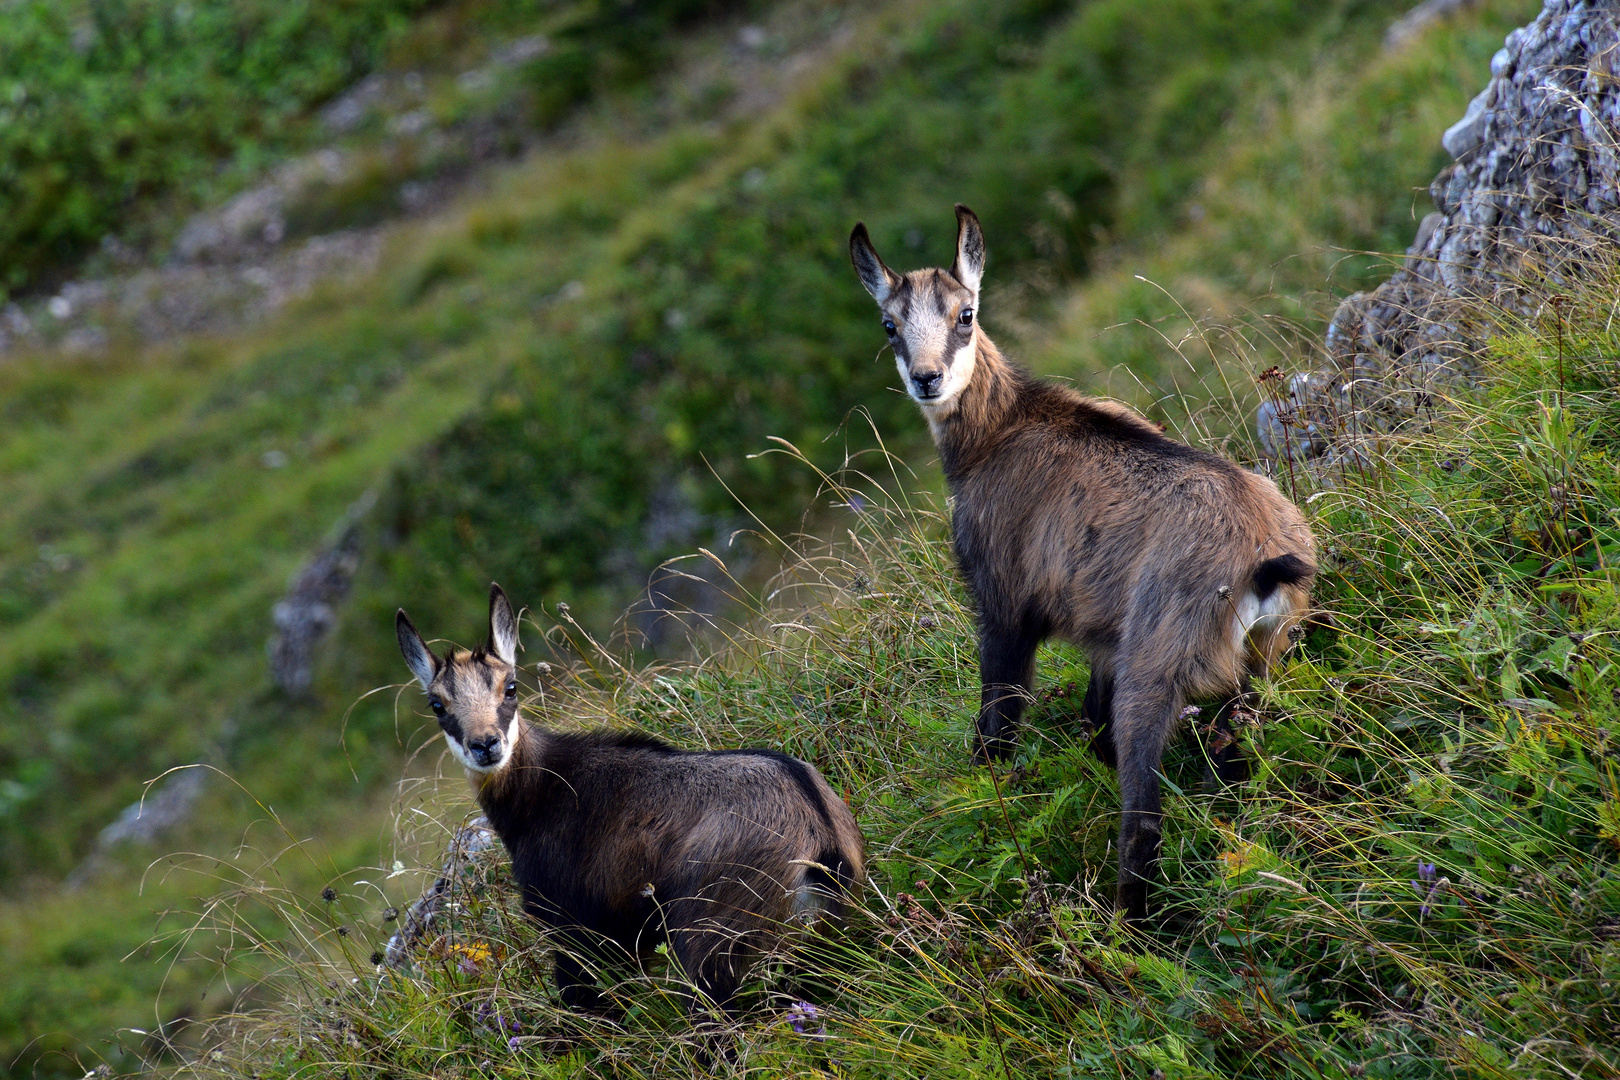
396 297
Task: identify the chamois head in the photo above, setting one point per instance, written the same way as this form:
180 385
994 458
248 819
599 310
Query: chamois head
474 694
929 315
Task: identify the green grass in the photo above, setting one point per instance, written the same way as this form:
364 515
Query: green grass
1314 185
111 103
119 114
1422 876
515 426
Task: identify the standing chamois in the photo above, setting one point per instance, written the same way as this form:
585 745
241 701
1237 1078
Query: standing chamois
620 839
1179 574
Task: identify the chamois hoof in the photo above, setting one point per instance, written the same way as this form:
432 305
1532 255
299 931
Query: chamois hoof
992 749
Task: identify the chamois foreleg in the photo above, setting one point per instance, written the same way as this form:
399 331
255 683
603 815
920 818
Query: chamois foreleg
576 977
1098 710
1145 707
1006 673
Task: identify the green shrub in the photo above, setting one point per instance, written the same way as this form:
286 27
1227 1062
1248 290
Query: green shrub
110 103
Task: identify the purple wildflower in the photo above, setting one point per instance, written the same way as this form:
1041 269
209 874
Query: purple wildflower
801 1015
1429 883
856 503
1190 711
513 1043
511 1023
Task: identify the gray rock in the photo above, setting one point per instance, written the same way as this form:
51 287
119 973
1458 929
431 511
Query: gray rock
1536 176
1467 133
462 860
307 612
166 805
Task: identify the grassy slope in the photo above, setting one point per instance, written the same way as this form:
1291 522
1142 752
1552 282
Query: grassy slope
171 503
1315 183
1421 878
112 107
123 115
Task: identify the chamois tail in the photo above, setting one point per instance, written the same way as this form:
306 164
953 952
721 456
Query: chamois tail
824 886
1287 569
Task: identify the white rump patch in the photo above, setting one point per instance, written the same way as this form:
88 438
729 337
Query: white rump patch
809 904
810 901
1257 618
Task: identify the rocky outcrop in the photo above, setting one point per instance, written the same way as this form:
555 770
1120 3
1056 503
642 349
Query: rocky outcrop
308 610
1535 180
472 846
166 805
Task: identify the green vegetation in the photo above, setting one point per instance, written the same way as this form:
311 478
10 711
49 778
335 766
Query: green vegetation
1421 878
110 103
1312 180
563 357
115 111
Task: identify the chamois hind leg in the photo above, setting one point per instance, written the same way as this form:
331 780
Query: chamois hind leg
711 954
1006 672
1224 765
1098 710
1145 707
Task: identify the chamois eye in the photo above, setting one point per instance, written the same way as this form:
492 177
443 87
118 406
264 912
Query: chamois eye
511 690
437 706
966 318
888 327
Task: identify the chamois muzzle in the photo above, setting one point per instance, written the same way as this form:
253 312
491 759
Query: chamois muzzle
927 383
485 751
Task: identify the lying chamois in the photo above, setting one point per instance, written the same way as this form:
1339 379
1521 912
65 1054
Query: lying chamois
1179 574
620 838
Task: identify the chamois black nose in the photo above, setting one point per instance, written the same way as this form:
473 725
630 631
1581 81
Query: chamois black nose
927 382
484 750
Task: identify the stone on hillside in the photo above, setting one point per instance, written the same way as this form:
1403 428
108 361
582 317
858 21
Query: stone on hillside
1536 178
308 611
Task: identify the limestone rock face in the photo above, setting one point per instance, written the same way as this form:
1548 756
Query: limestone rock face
1536 178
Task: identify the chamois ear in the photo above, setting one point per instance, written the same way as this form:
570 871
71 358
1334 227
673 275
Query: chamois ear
879 280
969 265
423 664
503 630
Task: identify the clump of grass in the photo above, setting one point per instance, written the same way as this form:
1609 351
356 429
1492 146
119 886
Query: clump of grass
1420 876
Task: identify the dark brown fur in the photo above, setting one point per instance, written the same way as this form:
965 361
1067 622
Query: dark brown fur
621 841
1180 574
